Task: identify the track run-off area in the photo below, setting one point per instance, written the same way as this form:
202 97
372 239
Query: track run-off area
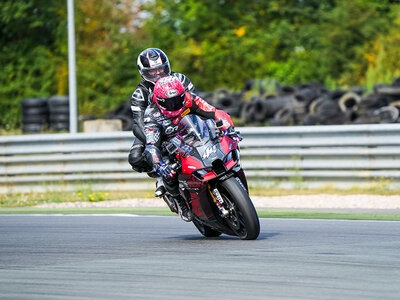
130 256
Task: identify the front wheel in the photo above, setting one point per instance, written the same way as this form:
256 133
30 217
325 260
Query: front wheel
242 218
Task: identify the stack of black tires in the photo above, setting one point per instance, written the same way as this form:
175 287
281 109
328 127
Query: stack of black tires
59 113
39 114
35 114
309 104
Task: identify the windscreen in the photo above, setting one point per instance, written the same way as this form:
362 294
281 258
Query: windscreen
193 131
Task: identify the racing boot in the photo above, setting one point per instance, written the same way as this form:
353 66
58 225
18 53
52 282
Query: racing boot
185 213
160 188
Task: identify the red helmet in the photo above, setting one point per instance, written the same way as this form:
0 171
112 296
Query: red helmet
169 94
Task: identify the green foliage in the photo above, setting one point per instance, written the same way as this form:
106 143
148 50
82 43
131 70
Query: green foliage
106 58
348 27
28 56
381 56
223 43
34 54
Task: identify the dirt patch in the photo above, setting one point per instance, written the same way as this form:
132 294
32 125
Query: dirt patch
313 202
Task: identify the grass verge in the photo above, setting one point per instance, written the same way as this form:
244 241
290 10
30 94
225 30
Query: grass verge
153 211
292 214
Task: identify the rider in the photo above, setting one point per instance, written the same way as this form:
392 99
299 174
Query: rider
153 64
170 102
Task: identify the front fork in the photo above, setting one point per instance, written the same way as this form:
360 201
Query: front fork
216 196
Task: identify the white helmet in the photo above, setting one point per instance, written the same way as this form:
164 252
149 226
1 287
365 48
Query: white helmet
153 64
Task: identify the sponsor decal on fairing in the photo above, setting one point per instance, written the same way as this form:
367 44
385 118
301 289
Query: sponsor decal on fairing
209 151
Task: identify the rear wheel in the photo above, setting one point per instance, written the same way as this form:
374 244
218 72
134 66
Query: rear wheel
242 218
206 230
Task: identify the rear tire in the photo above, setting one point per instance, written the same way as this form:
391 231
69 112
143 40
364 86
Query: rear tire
243 217
205 230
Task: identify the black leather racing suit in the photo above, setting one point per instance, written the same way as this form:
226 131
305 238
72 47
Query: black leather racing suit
140 100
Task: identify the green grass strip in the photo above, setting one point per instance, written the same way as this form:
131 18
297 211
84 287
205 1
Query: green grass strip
152 211
295 214
292 214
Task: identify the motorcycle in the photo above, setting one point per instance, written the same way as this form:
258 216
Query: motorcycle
207 164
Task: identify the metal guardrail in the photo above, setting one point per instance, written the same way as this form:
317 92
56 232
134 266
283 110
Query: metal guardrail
341 155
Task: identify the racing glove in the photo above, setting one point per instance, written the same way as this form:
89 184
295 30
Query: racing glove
233 134
166 172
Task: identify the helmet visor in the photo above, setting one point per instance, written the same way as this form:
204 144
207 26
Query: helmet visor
173 103
153 74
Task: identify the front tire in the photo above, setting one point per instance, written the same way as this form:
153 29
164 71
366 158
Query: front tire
243 218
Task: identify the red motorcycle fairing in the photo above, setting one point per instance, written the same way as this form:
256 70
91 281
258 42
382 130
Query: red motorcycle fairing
190 164
201 207
197 192
228 144
197 187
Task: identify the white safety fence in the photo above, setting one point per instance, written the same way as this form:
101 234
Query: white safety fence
342 155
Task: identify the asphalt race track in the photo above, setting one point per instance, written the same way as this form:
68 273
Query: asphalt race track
151 257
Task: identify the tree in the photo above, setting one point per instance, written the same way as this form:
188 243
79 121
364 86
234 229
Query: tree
30 35
34 54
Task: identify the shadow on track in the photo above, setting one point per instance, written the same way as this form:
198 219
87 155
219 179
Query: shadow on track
262 236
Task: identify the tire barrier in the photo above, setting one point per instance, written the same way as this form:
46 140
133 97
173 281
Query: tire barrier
348 101
387 90
230 104
283 117
121 112
59 113
304 104
386 114
286 90
396 104
35 114
309 104
39 114
247 113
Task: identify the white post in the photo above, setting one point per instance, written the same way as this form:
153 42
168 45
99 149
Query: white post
73 111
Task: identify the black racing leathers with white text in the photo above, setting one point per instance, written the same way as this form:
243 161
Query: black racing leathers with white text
139 102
